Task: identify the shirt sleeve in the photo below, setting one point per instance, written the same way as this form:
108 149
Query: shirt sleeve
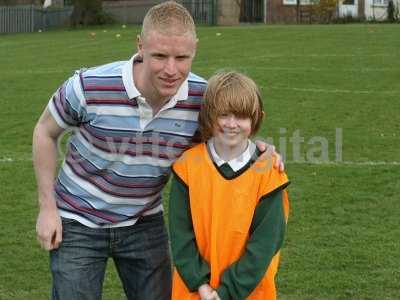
192 268
266 236
68 104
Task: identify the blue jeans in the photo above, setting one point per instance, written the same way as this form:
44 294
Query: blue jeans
140 253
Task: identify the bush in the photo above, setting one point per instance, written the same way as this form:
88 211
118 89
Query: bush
324 10
348 19
89 12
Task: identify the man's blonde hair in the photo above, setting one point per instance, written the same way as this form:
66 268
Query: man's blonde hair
169 17
230 92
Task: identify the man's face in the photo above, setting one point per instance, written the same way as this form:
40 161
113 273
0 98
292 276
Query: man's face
167 60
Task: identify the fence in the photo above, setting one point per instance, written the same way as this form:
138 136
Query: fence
252 11
29 18
16 19
52 18
133 12
203 12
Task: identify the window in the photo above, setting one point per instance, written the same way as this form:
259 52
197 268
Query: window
302 2
380 2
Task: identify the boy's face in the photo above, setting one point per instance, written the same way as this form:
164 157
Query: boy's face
232 131
167 60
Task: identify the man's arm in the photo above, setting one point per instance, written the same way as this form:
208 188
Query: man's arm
44 150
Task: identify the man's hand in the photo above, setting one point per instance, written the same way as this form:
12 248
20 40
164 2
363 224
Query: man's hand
49 228
269 151
206 292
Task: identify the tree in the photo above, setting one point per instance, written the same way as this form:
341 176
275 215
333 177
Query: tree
391 12
229 12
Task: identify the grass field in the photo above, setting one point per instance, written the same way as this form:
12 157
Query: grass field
337 87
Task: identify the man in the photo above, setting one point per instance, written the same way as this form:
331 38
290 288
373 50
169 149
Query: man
131 120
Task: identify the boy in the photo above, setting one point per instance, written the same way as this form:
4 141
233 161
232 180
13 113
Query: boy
227 211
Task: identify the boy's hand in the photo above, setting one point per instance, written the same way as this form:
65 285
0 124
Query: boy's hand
269 151
215 296
207 293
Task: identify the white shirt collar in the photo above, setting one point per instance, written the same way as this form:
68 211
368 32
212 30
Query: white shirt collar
236 163
127 79
133 92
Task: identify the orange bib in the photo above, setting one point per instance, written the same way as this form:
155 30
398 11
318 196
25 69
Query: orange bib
222 212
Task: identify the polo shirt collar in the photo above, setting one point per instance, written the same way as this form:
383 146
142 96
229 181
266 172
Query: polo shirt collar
133 92
127 79
236 163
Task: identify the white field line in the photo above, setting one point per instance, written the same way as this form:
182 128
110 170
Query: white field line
287 56
314 69
308 69
336 91
5 160
44 71
319 55
350 163
316 55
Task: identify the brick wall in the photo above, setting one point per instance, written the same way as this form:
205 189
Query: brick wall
277 12
18 2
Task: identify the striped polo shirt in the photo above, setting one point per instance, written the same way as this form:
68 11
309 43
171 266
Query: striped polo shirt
119 155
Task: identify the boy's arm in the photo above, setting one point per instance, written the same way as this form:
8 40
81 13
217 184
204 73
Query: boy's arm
266 236
192 268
